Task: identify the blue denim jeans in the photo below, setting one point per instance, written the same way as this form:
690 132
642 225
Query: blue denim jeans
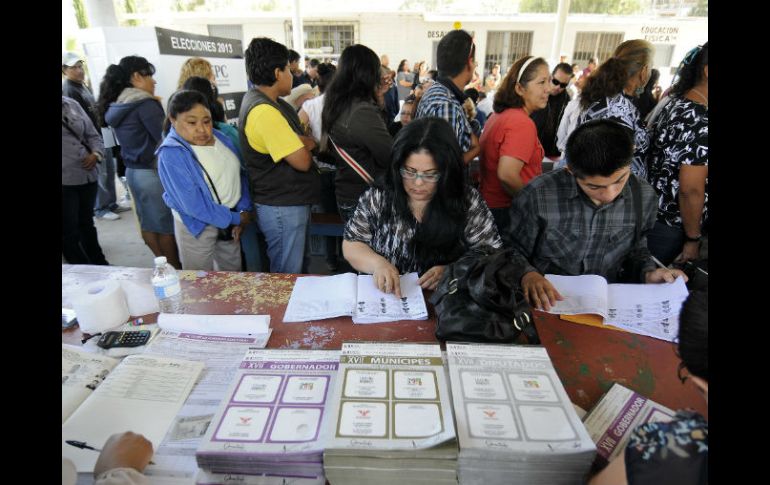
106 198
286 232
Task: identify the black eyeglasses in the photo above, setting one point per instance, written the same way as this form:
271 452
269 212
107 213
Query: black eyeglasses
557 83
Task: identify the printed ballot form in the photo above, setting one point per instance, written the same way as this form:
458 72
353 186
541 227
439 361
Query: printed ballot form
320 297
142 394
646 309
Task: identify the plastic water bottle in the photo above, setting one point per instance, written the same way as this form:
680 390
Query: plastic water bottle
165 282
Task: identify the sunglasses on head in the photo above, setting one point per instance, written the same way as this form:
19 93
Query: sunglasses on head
557 83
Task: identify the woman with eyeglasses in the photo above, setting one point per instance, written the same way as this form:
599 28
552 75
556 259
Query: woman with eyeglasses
511 153
675 452
424 216
127 103
679 164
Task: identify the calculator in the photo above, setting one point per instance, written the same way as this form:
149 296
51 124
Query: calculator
133 338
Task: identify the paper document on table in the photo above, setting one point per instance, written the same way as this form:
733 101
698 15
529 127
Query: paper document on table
320 297
81 374
142 394
215 324
175 456
375 306
645 309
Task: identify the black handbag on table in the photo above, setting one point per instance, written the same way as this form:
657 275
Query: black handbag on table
479 300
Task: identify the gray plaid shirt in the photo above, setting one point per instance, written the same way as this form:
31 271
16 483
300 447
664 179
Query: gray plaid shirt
556 229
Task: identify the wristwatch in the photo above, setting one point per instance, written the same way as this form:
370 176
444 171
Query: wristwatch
692 239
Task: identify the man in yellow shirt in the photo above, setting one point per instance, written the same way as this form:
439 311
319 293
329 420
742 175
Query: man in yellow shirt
283 180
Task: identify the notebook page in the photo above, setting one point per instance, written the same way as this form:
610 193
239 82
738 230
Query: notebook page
582 294
319 297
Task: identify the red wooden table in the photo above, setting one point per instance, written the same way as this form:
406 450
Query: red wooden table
587 359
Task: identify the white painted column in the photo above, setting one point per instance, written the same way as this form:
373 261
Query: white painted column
100 13
558 34
296 34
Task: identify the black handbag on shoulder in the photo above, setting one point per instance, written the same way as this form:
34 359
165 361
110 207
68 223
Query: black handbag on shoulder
479 300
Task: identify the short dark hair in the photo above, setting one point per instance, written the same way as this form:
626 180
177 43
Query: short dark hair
263 57
694 334
203 86
293 55
563 67
433 74
326 73
453 53
313 62
599 147
183 101
472 93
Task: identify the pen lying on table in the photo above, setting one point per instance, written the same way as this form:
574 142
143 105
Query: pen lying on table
85 446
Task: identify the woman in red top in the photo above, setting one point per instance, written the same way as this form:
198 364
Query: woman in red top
511 154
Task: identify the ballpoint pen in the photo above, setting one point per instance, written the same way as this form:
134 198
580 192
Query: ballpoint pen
85 446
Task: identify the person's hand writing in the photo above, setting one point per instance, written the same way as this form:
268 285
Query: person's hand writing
429 280
124 450
387 278
539 292
664 275
89 162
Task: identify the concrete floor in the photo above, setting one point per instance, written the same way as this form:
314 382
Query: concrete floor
122 243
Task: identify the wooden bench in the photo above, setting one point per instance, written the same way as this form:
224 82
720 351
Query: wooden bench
326 224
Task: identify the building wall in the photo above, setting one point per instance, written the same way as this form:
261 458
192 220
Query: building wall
411 36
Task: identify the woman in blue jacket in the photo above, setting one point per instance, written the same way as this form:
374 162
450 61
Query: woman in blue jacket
204 185
128 104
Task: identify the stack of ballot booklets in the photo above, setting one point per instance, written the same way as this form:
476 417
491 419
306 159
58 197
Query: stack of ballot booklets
393 417
616 415
273 416
515 423
319 297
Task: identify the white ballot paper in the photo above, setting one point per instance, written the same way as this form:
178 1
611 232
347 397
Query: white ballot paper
142 394
319 297
647 309
215 324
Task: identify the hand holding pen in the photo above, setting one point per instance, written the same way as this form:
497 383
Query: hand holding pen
122 450
663 274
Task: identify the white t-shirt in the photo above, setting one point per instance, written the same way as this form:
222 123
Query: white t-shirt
313 108
224 169
486 104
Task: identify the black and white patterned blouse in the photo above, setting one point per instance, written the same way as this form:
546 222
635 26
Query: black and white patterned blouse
620 108
680 136
390 237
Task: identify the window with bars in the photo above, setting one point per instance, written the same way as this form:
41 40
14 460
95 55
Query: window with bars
505 48
327 40
228 31
595 44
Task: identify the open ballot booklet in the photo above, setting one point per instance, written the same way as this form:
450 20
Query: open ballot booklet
616 415
347 294
646 309
392 416
143 394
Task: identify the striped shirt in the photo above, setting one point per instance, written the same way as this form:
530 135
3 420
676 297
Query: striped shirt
556 229
390 237
441 101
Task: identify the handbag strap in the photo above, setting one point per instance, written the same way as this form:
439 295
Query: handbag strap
211 182
352 163
69 128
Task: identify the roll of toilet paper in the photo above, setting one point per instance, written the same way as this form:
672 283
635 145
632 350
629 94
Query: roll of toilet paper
140 298
99 306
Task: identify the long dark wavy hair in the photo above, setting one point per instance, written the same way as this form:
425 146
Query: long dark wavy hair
117 78
691 71
356 79
439 237
611 77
